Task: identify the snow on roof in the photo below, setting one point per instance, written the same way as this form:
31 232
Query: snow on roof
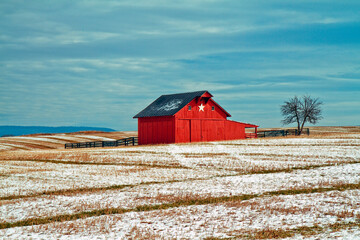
168 105
174 104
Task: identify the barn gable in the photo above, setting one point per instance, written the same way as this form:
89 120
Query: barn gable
202 107
169 105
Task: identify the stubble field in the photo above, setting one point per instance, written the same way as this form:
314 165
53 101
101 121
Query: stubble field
291 187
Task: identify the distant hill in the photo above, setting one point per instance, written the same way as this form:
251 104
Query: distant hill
24 130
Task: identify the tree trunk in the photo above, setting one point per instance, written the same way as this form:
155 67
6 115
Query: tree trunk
302 127
297 120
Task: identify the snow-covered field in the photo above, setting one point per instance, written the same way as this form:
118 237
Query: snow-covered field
294 188
221 220
24 177
130 197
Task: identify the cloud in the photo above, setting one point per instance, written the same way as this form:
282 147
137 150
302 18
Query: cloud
100 62
69 37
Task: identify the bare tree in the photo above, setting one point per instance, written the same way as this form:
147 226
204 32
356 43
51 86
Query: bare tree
301 110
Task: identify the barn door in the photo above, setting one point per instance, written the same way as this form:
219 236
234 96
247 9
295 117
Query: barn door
195 131
183 131
212 130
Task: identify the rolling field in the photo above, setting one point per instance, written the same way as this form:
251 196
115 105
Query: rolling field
57 141
304 187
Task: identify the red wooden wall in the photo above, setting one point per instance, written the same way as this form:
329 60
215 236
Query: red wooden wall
203 130
155 130
234 130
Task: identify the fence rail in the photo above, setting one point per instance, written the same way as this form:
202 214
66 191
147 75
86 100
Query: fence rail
121 142
283 132
251 135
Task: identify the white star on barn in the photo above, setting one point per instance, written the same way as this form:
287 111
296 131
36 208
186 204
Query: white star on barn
201 107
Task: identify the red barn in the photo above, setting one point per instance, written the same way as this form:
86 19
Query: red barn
187 117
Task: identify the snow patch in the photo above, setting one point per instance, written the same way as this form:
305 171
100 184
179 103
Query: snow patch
173 104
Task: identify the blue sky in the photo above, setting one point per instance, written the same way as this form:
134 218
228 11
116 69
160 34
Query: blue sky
98 63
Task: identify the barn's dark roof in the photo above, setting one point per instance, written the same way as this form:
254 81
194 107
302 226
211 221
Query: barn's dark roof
168 105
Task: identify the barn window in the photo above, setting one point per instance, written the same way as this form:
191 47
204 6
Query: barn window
189 108
212 108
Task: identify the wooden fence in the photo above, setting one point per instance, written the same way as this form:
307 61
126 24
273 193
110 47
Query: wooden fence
121 142
251 135
284 132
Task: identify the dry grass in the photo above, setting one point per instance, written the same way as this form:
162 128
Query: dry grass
189 200
76 191
328 131
23 145
99 225
139 168
204 155
27 142
78 162
305 231
88 156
